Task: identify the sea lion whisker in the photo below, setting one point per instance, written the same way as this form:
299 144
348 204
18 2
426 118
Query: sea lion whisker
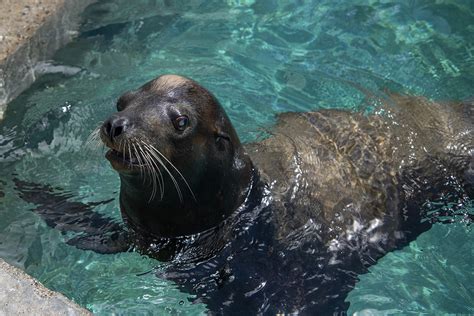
150 172
129 154
176 169
153 170
148 168
95 133
175 182
160 179
167 170
93 142
140 163
94 138
122 148
156 171
152 150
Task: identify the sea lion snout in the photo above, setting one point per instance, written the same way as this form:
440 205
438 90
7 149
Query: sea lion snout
115 134
115 126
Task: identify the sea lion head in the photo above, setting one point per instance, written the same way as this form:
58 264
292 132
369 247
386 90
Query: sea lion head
181 164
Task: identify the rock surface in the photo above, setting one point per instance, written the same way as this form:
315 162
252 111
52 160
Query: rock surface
21 294
30 32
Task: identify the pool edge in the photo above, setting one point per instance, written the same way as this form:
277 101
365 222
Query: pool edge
21 294
32 40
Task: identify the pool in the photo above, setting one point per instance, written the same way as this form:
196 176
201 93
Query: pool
259 58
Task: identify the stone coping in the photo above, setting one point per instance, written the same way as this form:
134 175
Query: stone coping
20 294
30 32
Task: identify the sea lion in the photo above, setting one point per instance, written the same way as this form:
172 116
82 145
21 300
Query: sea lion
285 224
357 182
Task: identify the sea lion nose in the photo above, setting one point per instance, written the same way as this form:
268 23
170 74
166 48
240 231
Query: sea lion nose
115 126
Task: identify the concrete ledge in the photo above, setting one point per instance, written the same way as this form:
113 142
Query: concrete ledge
21 294
30 32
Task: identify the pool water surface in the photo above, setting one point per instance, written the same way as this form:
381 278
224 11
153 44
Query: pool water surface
259 58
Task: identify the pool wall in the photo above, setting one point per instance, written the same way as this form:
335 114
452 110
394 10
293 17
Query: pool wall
30 32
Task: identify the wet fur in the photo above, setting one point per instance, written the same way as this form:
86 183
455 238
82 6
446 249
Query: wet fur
349 170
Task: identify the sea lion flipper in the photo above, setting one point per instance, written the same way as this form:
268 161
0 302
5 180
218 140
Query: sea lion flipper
108 243
97 232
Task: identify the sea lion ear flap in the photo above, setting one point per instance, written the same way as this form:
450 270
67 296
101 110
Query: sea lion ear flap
221 136
222 139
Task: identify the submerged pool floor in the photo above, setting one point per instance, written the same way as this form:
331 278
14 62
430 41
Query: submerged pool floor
259 58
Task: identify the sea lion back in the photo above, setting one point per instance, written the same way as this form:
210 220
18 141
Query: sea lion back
365 177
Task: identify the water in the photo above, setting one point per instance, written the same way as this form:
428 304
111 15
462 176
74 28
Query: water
259 58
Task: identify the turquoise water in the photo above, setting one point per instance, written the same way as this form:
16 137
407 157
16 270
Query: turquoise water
259 58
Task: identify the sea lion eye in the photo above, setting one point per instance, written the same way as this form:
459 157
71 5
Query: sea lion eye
181 122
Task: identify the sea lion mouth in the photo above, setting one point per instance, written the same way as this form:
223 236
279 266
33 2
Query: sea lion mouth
146 160
121 156
121 160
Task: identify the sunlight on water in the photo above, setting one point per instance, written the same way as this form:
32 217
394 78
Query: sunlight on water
259 58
